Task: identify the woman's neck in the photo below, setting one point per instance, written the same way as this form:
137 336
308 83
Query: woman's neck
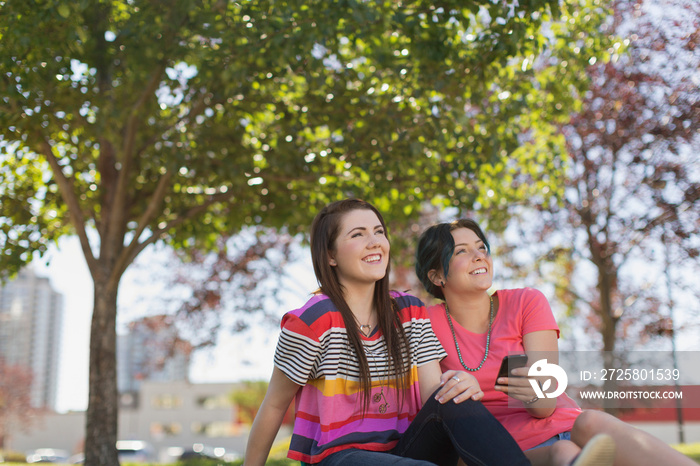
472 311
360 300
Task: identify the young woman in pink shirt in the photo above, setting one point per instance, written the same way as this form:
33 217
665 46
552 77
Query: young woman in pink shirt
477 330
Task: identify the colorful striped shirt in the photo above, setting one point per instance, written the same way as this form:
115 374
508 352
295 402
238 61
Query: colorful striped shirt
314 351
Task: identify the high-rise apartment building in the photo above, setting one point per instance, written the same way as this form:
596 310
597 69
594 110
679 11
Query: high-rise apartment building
151 350
31 317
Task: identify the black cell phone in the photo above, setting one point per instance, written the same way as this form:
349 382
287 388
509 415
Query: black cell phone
510 362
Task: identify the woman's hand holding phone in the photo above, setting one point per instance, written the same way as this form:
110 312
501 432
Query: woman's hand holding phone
513 378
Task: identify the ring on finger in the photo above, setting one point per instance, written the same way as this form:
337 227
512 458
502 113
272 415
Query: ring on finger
456 378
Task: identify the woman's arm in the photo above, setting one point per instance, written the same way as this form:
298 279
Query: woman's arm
267 422
518 387
430 377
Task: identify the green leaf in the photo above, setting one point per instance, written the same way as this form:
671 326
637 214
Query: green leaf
64 10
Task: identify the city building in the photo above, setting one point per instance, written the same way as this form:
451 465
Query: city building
31 318
150 350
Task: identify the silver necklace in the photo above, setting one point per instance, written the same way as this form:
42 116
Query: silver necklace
368 327
377 397
488 337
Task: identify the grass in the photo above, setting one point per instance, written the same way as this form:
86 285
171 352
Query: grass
691 450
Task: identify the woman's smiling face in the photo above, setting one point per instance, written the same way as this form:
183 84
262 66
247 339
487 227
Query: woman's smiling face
361 249
471 266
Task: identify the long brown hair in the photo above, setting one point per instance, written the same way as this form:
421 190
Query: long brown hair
324 231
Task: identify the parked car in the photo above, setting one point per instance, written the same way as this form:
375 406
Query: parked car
200 450
128 451
78 458
47 455
135 451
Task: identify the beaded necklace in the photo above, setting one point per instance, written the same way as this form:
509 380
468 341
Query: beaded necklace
488 337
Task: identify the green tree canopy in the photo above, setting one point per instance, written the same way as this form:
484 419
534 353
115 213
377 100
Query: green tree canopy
183 120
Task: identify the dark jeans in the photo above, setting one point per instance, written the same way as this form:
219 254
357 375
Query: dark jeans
440 434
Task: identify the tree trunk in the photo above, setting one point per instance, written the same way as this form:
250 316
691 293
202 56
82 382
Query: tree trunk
606 289
102 412
607 313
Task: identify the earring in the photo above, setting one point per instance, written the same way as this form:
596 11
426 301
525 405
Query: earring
442 283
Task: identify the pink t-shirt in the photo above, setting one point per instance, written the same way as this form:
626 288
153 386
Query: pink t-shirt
520 311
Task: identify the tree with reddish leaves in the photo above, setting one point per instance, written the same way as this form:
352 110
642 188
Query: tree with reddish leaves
155 346
632 186
244 278
16 410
